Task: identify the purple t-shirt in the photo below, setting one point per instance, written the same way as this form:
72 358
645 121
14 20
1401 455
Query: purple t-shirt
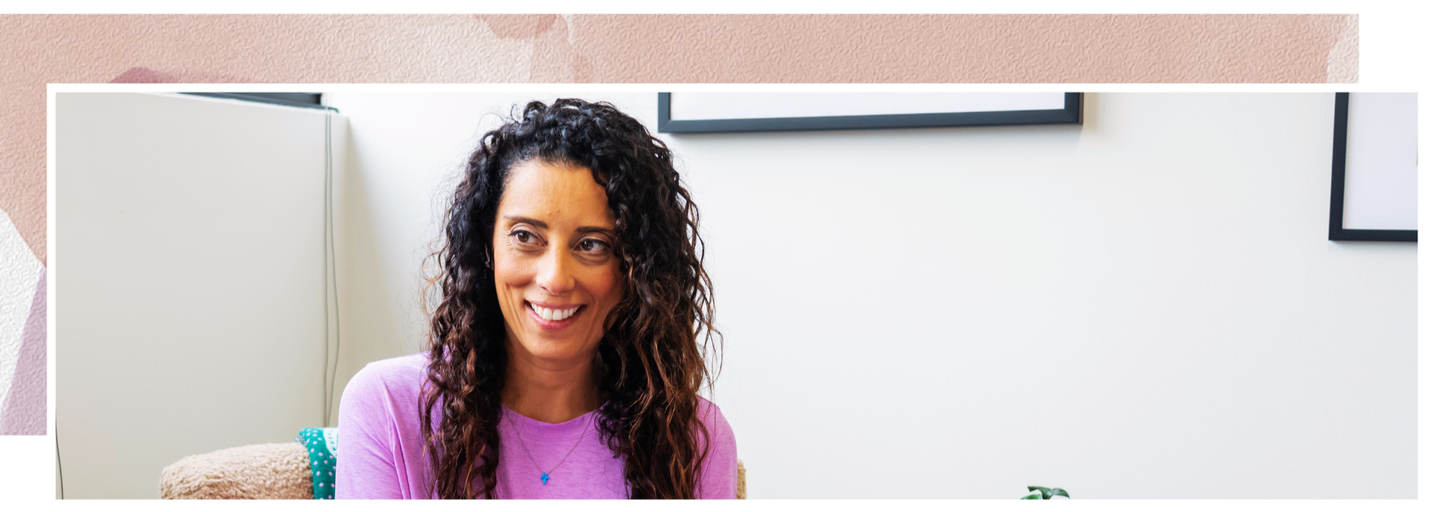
382 452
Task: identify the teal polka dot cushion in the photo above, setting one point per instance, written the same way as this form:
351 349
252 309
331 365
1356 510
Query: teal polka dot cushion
322 445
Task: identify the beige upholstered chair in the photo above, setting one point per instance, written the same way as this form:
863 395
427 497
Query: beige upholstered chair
261 471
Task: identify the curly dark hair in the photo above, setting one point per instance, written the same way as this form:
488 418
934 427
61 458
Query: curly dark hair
651 361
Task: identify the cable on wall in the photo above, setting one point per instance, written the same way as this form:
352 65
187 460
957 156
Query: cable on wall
334 285
331 291
58 467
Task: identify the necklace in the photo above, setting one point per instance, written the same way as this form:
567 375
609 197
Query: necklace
545 475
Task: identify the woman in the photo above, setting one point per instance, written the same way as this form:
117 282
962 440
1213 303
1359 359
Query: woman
570 338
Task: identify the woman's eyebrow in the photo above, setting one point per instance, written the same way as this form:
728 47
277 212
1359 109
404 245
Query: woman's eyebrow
535 222
594 229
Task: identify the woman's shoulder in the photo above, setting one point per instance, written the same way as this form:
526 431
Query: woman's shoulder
714 421
389 377
409 364
719 475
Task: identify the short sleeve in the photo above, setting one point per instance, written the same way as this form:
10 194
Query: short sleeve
719 469
366 465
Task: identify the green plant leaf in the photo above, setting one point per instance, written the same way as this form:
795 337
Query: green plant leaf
1061 492
1031 497
1034 488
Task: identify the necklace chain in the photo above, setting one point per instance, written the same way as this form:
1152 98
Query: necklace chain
545 475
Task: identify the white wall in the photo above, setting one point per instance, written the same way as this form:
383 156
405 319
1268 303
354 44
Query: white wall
190 282
1145 307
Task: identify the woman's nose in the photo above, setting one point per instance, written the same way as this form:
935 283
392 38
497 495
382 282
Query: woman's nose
554 273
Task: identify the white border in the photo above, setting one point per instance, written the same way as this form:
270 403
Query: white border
20 471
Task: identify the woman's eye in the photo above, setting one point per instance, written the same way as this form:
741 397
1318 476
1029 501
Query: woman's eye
593 245
524 237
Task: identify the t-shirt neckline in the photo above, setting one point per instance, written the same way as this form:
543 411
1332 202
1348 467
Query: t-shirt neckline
533 428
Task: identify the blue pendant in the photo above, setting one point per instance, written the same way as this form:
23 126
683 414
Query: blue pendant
544 478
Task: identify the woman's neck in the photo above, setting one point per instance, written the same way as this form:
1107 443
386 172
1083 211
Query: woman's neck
550 392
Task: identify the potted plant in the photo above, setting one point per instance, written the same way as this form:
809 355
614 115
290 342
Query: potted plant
1044 493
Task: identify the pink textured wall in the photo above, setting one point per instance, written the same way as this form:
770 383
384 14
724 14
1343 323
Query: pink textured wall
633 48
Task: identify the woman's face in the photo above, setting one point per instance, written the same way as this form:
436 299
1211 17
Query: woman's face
556 273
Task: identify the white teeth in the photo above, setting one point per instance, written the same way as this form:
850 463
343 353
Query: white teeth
553 315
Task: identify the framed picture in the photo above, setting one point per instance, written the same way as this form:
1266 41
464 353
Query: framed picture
688 112
1374 191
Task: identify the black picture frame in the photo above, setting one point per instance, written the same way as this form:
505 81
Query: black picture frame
1338 233
1072 113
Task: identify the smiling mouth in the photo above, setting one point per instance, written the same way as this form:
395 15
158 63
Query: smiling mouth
553 315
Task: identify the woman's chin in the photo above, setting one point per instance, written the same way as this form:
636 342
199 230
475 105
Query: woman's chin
554 350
